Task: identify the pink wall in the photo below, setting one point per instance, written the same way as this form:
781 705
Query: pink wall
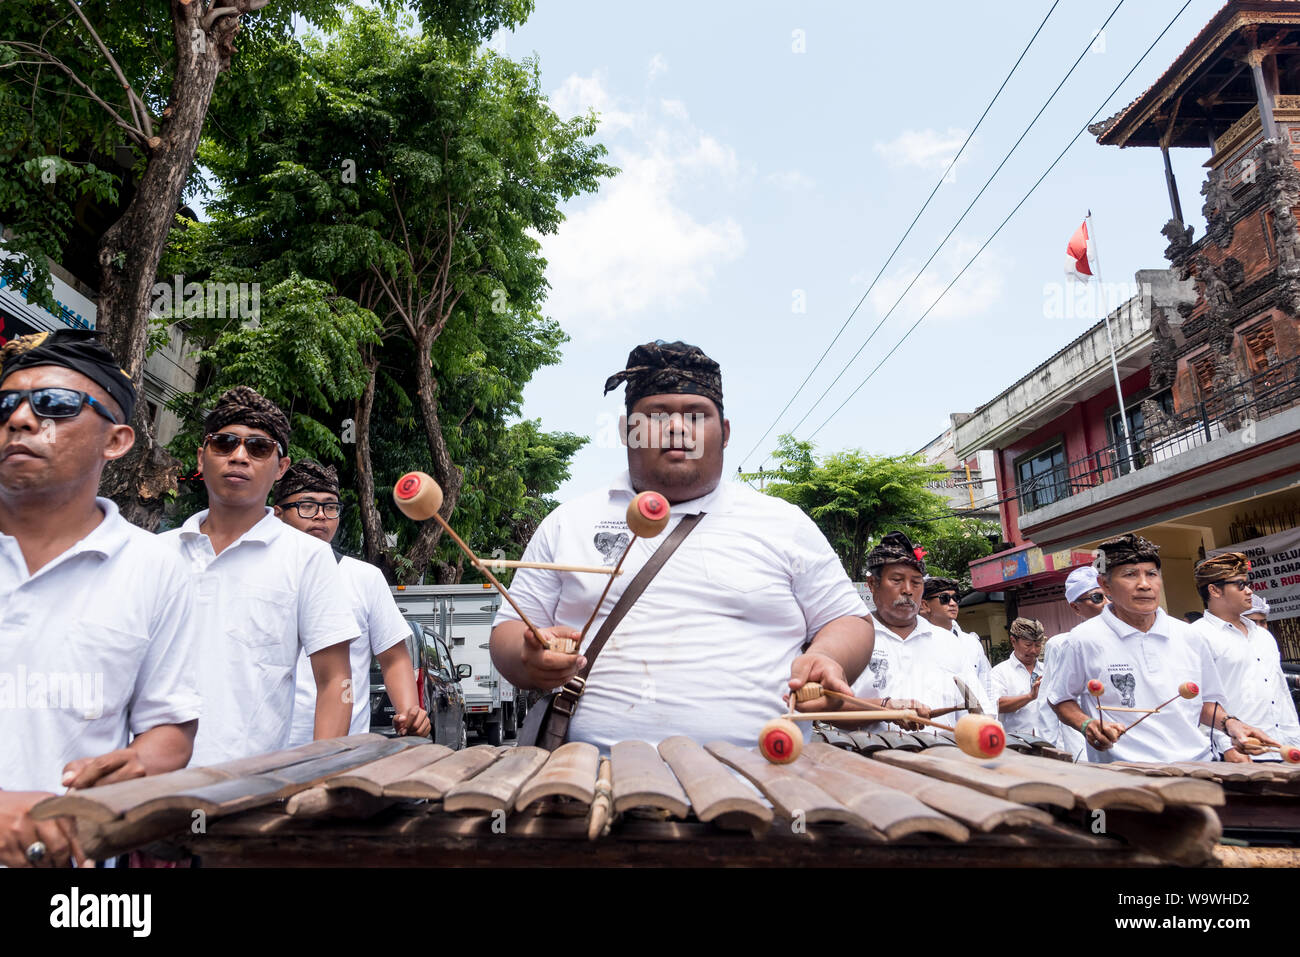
1083 427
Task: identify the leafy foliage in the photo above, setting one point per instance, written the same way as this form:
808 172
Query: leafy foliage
855 499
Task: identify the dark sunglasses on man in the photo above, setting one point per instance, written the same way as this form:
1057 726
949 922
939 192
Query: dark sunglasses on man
257 446
309 509
1095 598
946 598
51 403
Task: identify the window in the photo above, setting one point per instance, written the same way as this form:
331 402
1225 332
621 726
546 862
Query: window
1261 347
1042 478
1136 428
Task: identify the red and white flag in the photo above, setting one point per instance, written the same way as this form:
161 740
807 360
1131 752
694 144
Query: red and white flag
1079 258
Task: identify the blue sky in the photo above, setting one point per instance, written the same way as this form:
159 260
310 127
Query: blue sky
772 155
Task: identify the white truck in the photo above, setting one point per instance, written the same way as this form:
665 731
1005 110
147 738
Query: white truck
462 616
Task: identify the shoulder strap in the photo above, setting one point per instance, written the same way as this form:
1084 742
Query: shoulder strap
636 586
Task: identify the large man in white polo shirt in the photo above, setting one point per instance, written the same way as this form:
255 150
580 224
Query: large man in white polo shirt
307 498
1017 683
1142 656
721 631
97 664
914 662
1247 656
263 592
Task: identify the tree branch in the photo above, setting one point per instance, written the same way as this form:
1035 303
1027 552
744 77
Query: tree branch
145 142
131 97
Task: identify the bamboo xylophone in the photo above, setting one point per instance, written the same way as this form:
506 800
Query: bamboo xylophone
854 799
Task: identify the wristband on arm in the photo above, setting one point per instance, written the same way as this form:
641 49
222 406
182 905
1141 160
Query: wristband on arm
1083 728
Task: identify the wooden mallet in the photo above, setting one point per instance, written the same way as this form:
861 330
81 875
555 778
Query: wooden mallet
1188 690
419 497
780 741
647 515
1290 753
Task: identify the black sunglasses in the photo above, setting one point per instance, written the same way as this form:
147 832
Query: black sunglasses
945 598
309 509
51 403
258 446
1095 598
1238 582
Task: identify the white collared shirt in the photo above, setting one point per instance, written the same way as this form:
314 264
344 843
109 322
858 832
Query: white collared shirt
1067 739
95 648
1141 670
983 670
271 592
1250 666
1010 679
382 626
706 650
920 666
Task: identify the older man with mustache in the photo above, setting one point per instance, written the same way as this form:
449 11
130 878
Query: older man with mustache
914 662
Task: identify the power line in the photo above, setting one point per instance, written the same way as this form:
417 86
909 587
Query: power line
943 242
903 238
1009 215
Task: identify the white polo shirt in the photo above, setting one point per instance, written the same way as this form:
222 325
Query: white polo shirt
1140 670
1067 739
1250 666
96 647
273 591
920 666
382 626
1010 679
975 648
706 650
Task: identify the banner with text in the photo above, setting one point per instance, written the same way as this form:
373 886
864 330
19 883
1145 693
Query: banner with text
1274 570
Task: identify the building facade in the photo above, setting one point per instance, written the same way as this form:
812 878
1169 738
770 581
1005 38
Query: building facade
1209 352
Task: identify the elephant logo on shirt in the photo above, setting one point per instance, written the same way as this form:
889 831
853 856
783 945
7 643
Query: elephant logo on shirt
880 669
611 544
1126 685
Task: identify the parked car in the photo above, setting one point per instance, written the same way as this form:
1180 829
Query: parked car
437 678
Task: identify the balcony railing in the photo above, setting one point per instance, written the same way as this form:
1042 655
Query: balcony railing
1272 391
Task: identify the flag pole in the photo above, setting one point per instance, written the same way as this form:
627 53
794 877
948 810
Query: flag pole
1114 363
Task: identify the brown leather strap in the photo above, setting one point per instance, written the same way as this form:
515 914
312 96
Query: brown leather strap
567 699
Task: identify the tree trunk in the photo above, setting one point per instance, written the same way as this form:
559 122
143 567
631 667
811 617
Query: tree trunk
372 523
131 248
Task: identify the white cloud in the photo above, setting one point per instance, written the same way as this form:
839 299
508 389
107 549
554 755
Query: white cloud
978 291
658 65
791 180
639 244
925 149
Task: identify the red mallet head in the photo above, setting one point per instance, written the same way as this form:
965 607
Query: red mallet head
780 741
1290 755
1188 689
417 495
980 736
1096 688
647 514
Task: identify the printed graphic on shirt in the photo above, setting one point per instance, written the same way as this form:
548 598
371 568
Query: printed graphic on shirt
1124 681
880 668
611 544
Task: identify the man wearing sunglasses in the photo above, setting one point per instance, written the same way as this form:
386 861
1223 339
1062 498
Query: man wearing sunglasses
1016 682
939 606
307 498
1247 656
97 652
263 594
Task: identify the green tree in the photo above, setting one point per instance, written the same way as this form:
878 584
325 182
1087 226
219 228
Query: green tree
414 182
105 102
856 498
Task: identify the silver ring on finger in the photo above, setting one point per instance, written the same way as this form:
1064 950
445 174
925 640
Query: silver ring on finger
36 852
